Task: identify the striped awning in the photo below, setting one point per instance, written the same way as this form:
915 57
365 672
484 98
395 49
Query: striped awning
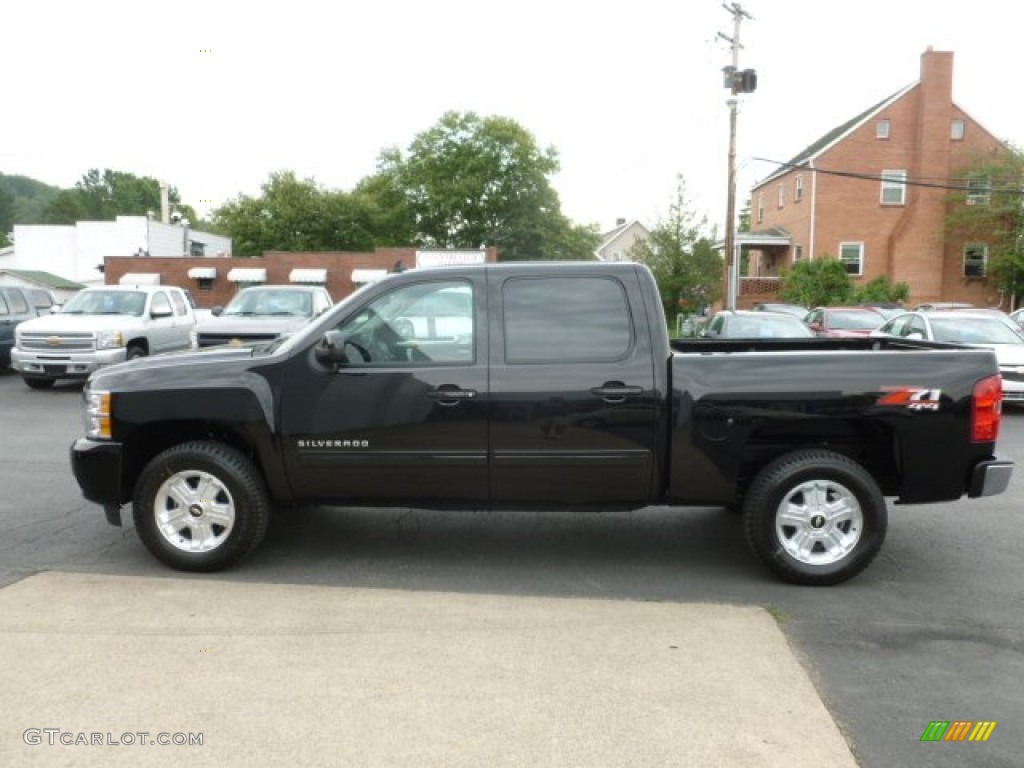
309 276
362 276
248 275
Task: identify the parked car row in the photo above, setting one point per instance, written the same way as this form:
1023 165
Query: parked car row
791 321
974 328
109 324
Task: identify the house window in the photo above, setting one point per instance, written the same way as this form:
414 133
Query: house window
957 129
882 129
852 257
782 195
196 250
978 191
798 252
760 208
205 284
975 259
798 189
894 187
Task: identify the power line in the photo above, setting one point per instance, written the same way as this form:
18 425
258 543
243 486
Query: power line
966 186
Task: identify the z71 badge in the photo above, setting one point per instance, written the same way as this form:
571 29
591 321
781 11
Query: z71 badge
912 398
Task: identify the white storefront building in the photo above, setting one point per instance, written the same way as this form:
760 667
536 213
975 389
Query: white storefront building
76 252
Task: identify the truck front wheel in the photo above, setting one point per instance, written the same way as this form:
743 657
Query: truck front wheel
36 382
200 506
815 517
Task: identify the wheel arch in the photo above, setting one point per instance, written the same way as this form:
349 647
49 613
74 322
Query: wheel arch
871 444
147 442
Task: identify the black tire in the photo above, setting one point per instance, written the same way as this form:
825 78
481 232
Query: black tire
836 520
212 533
34 382
134 352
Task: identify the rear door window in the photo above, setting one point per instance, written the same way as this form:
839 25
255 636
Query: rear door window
566 319
179 303
17 302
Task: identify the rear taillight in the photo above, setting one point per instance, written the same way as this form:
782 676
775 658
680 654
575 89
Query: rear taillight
987 409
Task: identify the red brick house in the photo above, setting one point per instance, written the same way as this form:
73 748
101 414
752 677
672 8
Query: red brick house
213 281
860 194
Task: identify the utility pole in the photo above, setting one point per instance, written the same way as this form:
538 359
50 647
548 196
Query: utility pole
737 82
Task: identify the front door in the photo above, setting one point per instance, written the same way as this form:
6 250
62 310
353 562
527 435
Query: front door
404 421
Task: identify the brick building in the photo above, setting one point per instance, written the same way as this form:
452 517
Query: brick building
852 195
213 281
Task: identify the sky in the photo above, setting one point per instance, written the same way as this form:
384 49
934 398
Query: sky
214 96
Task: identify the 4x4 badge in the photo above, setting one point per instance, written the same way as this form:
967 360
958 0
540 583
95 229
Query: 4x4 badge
912 398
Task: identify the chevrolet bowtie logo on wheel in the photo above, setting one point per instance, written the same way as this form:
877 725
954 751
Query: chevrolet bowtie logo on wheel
958 730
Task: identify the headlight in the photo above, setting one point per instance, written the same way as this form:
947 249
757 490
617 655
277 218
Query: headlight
97 413
109 339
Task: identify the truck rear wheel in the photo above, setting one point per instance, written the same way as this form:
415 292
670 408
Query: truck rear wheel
815 517
200 506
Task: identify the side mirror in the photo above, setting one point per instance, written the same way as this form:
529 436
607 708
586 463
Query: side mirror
156 314
216 311
915 335
330 351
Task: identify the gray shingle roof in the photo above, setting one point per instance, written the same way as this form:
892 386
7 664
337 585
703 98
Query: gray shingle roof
44 278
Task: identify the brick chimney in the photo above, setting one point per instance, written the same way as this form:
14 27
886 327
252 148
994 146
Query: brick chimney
936 94
920 233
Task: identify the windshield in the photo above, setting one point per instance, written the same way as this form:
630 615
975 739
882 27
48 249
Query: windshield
767 326
270 302
101 302
854 319
285 343
974 330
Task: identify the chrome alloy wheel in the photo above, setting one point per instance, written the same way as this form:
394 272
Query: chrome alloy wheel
194 511
819 522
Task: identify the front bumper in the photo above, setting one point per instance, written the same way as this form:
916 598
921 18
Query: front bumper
97 465
989 478
66 365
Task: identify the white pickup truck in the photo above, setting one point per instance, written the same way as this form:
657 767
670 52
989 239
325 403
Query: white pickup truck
102 326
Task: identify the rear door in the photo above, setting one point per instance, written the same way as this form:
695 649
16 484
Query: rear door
183 321
573 401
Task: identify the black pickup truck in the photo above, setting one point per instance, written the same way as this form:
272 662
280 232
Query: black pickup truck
549 386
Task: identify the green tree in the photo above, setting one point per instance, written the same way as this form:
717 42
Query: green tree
820 282
295 215
6 211
685 265
470 181
881 289
104 195
989 211
743 223
29 196
63 209
385 204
